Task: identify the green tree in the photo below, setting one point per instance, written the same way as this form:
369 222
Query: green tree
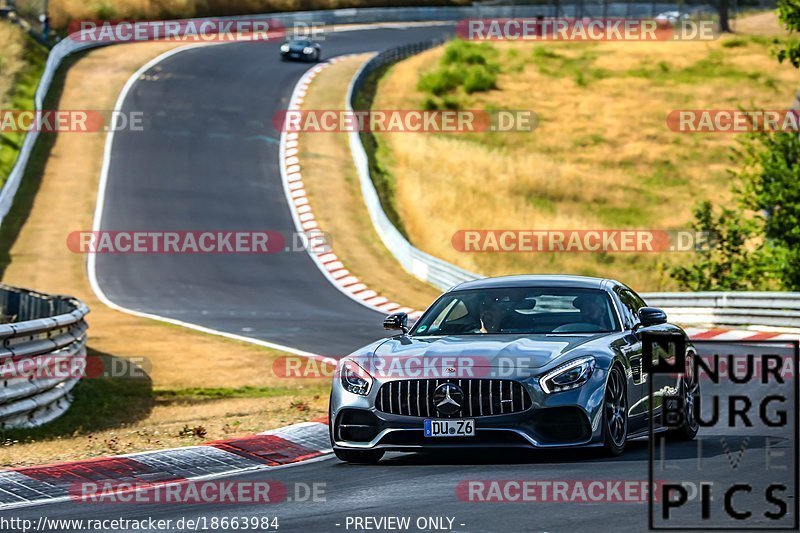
728 260
723 10
770 181
758 241
789 15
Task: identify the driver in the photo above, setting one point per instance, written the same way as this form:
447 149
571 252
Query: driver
592 308
492 313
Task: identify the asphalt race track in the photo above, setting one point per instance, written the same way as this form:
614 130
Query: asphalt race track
207 159
422 486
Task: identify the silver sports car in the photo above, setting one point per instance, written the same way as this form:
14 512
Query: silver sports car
518 361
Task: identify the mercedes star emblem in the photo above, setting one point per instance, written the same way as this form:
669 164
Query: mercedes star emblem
448 398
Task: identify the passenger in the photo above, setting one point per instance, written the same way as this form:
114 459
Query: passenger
593 310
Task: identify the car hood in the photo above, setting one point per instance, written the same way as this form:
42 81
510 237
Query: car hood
405 355
297 47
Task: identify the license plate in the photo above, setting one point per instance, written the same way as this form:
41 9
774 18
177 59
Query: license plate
460 427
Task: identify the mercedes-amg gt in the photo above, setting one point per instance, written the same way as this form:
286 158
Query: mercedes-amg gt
518 361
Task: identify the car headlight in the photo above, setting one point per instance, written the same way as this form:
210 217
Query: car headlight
568 376
308 50
284 48
354 378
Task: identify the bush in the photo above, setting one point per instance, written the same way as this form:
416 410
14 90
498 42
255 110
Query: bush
469 53
730 260
479 79
440 81
465 68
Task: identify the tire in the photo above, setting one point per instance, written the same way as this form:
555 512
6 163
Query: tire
615 413
367 457
689 392
318 56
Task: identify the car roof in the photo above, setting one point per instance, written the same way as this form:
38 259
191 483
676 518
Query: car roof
538 280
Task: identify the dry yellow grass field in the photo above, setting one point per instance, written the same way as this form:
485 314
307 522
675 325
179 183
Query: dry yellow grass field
11 61
335 194
602 156
192 379
21 64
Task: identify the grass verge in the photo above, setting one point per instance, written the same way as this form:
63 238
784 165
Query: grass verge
602 156
334 191
22 62
183 387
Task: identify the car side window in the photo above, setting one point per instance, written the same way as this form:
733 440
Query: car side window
638 303
629 308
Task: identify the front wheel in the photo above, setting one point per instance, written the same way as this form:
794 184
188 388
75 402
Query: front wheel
689 394
615 413
367 457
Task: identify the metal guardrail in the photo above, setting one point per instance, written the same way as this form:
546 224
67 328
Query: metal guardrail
778 309
424 266
42 357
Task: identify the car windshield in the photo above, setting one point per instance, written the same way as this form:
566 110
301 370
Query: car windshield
526 310
300 42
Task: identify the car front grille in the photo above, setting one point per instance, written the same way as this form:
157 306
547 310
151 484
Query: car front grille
482 397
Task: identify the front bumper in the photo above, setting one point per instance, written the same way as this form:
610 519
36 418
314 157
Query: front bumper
297 56
565 419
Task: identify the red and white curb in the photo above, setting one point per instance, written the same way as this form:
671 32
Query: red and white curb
722 334
303 215
278 448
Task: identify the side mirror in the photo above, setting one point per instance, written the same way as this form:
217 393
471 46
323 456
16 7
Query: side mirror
652 316
396 321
